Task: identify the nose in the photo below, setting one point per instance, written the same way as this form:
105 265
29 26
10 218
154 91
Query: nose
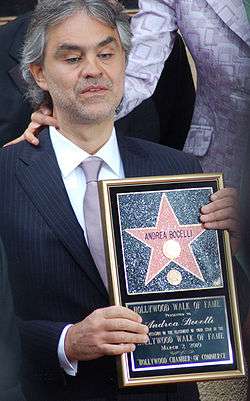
91 69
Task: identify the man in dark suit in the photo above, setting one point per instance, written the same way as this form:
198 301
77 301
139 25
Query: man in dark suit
10 389
69 333
13 7
245 227
154 120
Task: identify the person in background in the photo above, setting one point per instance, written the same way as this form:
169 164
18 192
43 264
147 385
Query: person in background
10 354
244 256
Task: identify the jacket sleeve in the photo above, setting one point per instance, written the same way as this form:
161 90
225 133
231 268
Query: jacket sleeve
40 339
10 356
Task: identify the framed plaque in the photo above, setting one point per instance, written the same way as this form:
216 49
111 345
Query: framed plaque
176 275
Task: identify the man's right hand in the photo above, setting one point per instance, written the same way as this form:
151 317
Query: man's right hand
109 331
39 119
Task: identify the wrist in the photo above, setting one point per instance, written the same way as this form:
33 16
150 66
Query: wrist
68 345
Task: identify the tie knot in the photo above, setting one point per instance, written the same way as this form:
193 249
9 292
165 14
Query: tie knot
91 167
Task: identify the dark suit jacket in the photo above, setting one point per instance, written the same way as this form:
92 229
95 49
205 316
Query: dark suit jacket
13 7
157 119
53 276
10 359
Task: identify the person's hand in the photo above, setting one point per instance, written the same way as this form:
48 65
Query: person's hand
39 118
109 331
223 213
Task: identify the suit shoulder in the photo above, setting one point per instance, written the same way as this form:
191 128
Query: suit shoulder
12 152
164 158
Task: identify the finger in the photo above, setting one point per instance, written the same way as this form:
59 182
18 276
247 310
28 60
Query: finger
42 119
229 224
112 312
31 132
117 349
122 337
221 214
15 141
225 192
220 204
125 325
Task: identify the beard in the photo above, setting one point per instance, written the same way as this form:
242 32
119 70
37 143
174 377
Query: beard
81 109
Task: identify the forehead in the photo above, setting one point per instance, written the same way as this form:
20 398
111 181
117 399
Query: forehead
81 30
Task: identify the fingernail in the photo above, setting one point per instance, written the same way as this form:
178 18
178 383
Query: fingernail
213 197
203 211
133 348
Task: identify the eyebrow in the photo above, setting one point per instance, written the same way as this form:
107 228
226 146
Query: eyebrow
71 47
107 41
67 47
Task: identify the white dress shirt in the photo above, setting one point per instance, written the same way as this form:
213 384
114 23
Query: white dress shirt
69 157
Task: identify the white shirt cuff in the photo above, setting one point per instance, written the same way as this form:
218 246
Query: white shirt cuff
69 367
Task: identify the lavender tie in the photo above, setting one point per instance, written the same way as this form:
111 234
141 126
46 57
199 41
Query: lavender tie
91 209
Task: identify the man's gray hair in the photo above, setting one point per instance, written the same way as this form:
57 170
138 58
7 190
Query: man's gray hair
47 14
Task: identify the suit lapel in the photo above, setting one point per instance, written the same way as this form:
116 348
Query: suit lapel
233 14
40 177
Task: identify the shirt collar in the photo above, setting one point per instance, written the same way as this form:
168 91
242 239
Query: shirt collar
69 156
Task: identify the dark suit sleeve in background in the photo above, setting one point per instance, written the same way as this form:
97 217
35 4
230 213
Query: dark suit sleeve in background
174 97
166 116
16 7
15 111
10 357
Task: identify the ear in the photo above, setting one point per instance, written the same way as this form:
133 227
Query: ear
38 75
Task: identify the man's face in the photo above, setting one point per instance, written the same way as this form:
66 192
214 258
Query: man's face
83 69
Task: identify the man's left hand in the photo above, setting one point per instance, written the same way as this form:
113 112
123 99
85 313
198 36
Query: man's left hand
223 213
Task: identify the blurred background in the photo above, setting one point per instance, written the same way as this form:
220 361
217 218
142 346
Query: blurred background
18 7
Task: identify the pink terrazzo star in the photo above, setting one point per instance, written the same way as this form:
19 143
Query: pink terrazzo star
169 241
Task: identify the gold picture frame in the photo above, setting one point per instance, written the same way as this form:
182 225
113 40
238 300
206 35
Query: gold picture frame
189 278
